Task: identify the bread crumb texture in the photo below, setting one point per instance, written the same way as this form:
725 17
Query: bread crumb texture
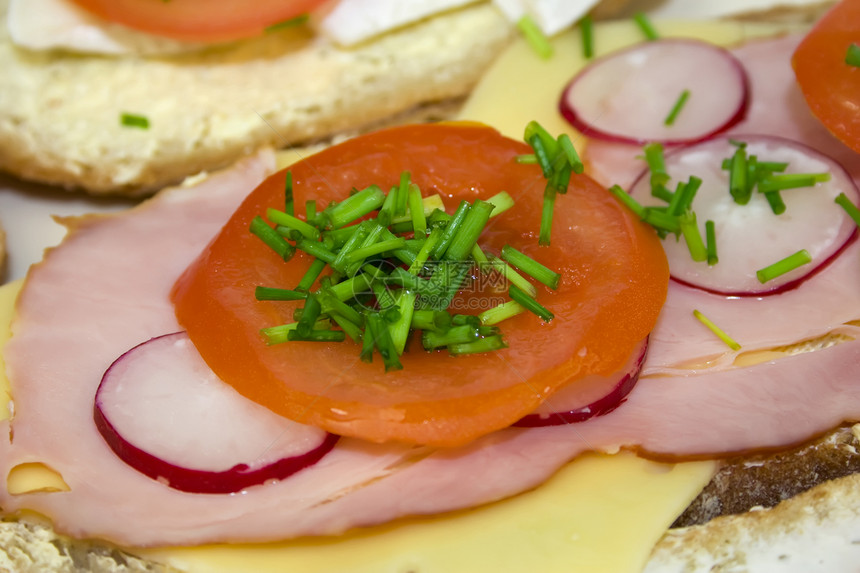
60 113
28 547
818 530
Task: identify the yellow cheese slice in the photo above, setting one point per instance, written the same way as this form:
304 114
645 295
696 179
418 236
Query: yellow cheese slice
598 514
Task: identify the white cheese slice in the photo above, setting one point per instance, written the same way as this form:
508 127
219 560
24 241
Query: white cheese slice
62 25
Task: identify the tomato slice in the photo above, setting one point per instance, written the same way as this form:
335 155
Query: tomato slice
832 87
199 20
614 281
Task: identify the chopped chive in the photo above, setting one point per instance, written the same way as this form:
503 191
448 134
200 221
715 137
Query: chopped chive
843 201
682 200
355 241
549 195
451 230
278 334
480 258
375 249
287 220
413 283
430 204
628 201
368 339
774 199
717 330
310 210
271 238
527 159
740 190
351 288
269 293
529 303
550 143
561 179
467 235
786 265
573 158
693 237
711 243
310 312
645 26
466 319
512 276
133 120
542 155
488 344
416 210
501 202
656 164
535 37
586 25
311 275
316 249
423 253
661 192
355 207
784 181
852 56
432 339
431 320
450 276
500 313
316 335
531 267
383 342
289 206
661 220
347 326
402 197
400 328
676 109
289 23
329 303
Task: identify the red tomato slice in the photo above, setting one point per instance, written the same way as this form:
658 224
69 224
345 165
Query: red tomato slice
199 20
832 87
614 281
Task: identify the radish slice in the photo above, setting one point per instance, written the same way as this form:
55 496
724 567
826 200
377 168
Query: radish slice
163 412
628 95
750 237
589 397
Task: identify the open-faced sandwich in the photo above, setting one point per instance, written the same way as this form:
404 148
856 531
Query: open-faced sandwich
461 346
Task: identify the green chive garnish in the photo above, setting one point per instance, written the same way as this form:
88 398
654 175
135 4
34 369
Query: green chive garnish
416 210
317 335
535 37
676 109
531 267
570 151
289 207
488 344
134 120
549 196
852 56
843 201
270 293
287 220
786 265
501 313
501 202
645 26
628 201
711 243
693 237
311 275
656 164
271 237
467 235
529 303
586 26
717 330
511 276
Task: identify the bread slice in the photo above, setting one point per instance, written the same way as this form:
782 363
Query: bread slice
60 113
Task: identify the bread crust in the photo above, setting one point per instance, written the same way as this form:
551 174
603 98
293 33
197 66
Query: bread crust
60 113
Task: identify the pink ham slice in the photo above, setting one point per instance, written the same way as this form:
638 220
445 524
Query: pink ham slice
106 289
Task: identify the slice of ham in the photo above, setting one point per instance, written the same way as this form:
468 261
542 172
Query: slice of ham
105 290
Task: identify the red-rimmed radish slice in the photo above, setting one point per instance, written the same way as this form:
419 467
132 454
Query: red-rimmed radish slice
164 413
750 237
628 95
592 396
